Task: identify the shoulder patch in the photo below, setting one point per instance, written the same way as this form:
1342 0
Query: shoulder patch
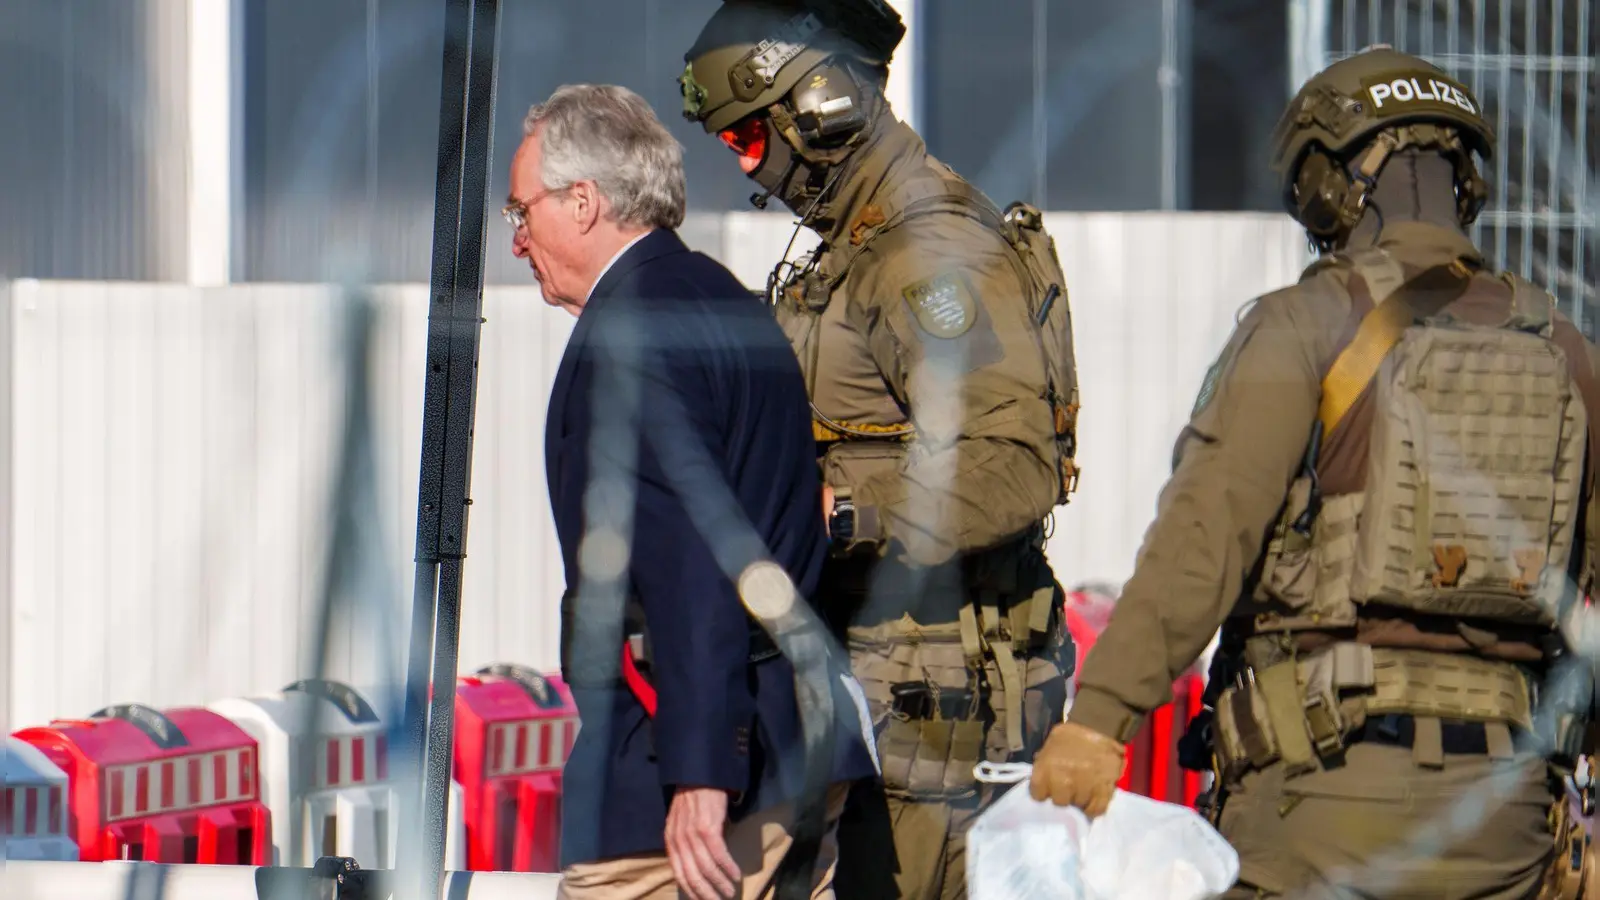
942 305
1208 385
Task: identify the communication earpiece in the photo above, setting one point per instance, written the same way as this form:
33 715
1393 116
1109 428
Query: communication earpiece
1472 191
1321 190
829 106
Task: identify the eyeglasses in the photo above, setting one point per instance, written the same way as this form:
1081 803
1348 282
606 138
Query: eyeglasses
516 212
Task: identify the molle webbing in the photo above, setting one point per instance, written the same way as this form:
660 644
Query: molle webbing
1300 711
1379 331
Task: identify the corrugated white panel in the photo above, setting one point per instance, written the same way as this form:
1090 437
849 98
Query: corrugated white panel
173 453
169 490
1154 298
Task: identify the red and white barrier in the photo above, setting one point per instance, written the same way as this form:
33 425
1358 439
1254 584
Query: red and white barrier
329 791
33 806
179 786
514 731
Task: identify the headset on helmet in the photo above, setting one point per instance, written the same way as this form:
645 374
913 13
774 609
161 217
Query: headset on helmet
791 86
1358 113
752 53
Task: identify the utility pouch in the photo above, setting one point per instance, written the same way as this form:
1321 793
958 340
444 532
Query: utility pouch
917 700
931 759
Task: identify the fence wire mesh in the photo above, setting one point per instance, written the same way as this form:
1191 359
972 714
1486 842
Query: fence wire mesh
1535 65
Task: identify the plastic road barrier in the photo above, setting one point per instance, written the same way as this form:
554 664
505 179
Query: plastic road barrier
179 786
514 730
329 792
33 806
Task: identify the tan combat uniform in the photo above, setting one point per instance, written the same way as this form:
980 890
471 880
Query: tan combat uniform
1323 786
947 417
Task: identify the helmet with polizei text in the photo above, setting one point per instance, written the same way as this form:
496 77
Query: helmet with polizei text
1347 120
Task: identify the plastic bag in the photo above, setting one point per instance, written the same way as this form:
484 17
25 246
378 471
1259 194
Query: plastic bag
1021 849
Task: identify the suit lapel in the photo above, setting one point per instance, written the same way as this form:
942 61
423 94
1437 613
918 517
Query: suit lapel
652 246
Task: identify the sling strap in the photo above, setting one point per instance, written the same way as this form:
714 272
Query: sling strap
1381 329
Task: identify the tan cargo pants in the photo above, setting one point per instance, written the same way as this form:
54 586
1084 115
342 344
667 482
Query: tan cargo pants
895 840
1380 826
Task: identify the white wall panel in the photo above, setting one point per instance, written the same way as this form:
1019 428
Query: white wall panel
1154 298
172 453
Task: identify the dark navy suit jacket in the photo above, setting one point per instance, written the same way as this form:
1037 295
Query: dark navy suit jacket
679 387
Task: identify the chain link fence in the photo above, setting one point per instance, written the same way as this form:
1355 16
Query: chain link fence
1535 65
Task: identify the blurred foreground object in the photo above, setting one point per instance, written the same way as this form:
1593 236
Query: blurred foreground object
450 390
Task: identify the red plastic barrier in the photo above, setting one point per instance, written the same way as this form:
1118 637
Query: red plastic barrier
30 810
514 731
179 787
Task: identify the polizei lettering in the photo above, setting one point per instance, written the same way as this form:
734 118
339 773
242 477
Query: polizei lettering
1419 89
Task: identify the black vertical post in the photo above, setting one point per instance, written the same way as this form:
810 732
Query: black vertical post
455 313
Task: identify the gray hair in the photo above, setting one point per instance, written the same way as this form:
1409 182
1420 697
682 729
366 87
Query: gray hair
609 135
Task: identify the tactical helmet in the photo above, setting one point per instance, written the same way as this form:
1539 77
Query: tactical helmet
1361 110
753 52
791 85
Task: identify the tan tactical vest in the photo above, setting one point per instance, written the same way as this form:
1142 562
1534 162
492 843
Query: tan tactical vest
1438 525
1474 444
862 431
854 414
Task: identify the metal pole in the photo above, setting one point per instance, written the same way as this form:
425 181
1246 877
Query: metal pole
455 314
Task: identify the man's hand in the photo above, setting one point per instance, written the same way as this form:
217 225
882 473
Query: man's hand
827 508
1077 766
700 861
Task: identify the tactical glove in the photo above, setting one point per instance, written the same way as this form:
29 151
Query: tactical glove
1078 766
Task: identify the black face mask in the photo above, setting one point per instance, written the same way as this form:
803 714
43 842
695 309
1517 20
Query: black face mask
827 112
785 174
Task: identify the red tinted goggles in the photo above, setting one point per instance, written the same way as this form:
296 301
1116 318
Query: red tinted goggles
748 138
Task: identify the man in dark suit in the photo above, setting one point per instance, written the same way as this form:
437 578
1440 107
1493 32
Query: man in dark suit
681 474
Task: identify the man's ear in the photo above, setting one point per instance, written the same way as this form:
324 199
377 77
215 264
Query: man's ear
586 202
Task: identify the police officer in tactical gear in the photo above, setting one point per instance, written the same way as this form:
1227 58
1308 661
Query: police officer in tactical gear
1383 497
934 332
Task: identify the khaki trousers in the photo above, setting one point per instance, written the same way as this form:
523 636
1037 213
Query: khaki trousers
900 849
1380 826
757 844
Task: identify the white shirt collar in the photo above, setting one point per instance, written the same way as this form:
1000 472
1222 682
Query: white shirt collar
625 248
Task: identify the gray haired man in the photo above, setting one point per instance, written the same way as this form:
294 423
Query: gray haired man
679 457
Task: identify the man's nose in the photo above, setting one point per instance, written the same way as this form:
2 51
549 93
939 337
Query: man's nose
519 245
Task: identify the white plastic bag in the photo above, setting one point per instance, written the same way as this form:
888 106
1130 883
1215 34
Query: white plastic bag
1021 849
